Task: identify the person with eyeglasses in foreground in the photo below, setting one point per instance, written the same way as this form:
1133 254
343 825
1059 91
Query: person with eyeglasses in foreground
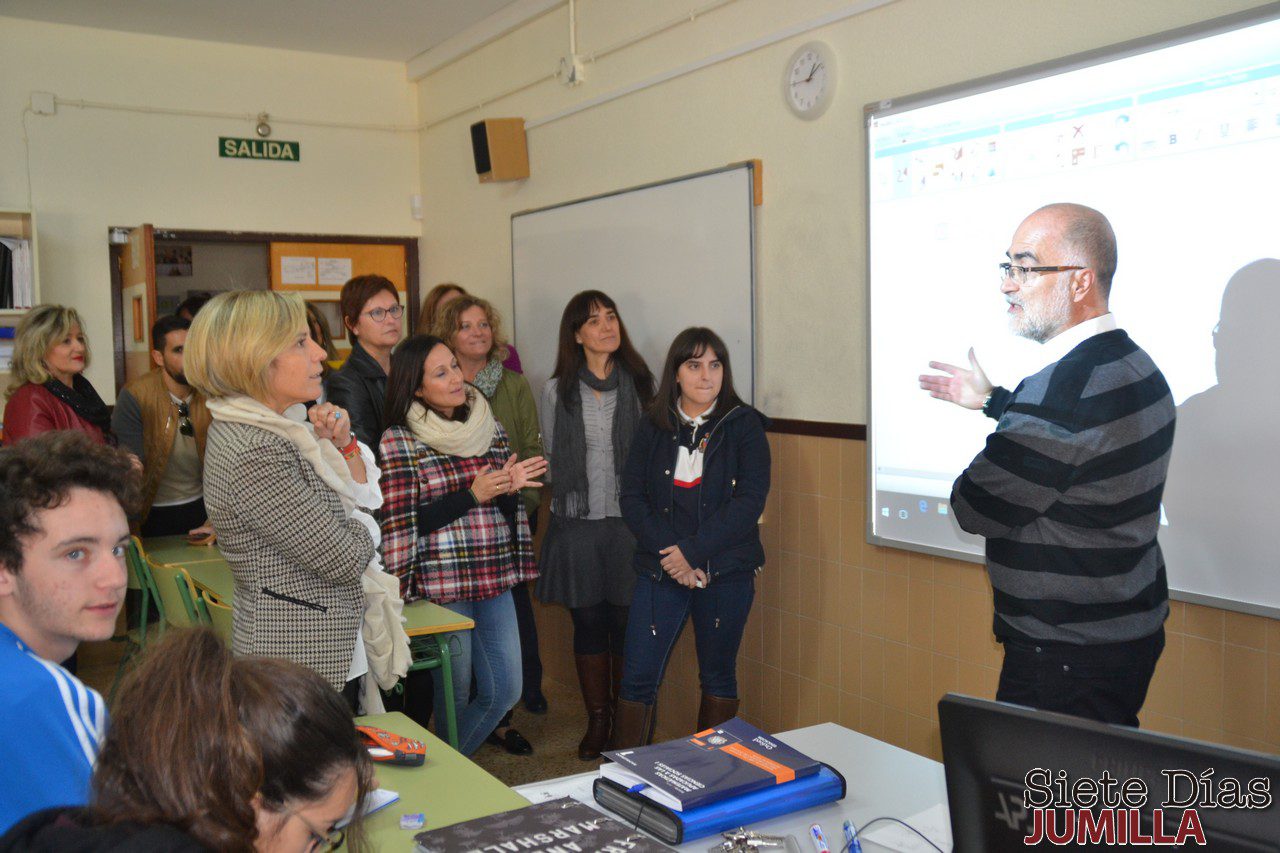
1067 490
207 752
163 421
63 535
372 312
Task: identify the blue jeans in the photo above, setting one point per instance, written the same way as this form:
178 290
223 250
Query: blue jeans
659 610
490 651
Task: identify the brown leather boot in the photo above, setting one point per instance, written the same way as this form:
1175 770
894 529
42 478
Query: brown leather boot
715 710
593 675
632 725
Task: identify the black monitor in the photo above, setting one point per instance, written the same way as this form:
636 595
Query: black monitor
989 748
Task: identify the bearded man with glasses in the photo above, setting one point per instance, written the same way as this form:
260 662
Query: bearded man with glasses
1067 490
163 421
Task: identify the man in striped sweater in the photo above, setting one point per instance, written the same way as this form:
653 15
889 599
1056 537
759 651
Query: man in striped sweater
63 535
1067 490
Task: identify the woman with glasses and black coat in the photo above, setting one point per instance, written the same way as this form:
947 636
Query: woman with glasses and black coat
372 313
693 491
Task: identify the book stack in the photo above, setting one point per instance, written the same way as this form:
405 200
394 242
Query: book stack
721 778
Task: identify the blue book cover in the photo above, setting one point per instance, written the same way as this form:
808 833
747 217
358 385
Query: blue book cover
729 760
672 827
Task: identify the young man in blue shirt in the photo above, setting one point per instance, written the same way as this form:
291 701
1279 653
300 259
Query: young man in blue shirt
63 535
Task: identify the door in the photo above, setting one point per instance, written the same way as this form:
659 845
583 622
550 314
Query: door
138 300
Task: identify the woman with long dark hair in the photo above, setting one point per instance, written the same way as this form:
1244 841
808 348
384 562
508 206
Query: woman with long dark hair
454 528
473 329
692 493
591 408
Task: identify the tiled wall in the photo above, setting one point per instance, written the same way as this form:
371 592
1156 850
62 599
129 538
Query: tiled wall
871 637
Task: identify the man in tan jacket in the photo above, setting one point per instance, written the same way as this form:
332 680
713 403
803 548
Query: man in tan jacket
163 421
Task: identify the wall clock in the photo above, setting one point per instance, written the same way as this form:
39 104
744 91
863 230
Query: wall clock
810 81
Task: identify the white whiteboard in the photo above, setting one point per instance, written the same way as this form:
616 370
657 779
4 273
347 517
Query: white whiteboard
671 255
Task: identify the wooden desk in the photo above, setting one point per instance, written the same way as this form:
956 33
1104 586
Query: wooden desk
427 624
882 780
448 789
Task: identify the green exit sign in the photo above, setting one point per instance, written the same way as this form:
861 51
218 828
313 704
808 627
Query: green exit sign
258 149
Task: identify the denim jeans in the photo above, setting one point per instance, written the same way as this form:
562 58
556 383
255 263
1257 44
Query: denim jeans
490 651
659 610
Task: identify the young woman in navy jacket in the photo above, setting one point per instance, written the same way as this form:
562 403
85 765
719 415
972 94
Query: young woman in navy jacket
693 491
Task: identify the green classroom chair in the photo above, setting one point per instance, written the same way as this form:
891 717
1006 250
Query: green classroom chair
216 614
177 595
140 579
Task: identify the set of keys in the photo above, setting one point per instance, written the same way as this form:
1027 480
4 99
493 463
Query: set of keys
742 840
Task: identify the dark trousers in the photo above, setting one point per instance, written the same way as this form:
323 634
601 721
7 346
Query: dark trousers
659 610
1103 682
174 520
599 629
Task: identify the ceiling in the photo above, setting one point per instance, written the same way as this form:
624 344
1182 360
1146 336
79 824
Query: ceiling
394 30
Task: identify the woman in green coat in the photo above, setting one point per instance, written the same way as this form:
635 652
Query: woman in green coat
473 328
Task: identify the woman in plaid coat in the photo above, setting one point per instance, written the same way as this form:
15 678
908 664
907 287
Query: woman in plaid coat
454 529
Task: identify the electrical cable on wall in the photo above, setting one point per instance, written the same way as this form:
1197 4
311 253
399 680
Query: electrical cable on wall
251 117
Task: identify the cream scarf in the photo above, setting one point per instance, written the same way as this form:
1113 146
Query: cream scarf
470 438
382 633
322 455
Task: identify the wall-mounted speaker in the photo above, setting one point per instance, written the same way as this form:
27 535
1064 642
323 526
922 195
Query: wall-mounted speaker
499 148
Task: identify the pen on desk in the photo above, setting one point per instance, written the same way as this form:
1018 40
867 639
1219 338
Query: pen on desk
818 838
851 844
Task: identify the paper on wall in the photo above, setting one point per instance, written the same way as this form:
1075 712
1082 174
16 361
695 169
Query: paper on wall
333 270
297 270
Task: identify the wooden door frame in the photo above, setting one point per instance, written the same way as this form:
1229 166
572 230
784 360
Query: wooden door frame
264 238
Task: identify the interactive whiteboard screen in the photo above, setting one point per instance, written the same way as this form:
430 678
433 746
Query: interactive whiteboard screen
671 255
1177 141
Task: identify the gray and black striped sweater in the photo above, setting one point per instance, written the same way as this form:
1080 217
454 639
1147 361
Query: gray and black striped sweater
1067 493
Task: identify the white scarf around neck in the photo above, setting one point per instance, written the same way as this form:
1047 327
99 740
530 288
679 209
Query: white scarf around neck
322 455
468 439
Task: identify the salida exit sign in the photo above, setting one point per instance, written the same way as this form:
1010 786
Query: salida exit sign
258 149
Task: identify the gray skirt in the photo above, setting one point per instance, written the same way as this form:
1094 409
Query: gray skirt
586 561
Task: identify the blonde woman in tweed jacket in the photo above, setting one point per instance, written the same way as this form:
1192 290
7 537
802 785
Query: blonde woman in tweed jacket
279 492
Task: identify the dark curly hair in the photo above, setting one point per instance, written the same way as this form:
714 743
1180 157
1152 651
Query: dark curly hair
39 472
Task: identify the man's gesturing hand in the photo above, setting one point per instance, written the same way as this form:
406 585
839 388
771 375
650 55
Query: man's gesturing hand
968 388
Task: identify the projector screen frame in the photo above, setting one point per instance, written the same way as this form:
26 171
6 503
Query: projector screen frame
891 106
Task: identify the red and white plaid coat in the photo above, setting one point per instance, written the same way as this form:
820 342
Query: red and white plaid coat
478 556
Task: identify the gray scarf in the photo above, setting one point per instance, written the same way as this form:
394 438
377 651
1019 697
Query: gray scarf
569 443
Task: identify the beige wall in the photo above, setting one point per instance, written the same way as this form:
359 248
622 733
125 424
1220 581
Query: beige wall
810 229
91 169
872 637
